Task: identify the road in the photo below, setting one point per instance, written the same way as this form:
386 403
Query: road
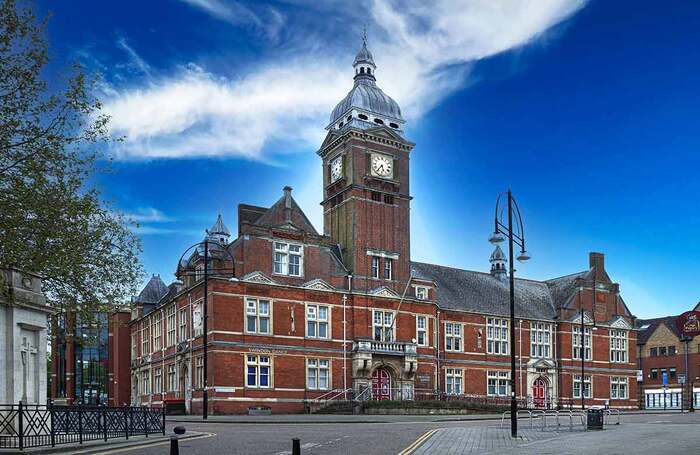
644 433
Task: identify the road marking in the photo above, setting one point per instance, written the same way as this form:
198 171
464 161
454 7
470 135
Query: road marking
418 442
141 446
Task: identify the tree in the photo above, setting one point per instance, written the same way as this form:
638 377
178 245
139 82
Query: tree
52 218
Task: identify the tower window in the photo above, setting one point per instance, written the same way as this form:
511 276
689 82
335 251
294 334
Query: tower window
388 269
388 199
340 125
349 118
369 70
375 267
363 116
362 71
376 196
379 121
393 125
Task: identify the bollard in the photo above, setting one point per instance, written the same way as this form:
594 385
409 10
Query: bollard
296 449
174 449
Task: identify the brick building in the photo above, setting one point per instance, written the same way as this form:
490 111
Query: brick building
306 312
662 354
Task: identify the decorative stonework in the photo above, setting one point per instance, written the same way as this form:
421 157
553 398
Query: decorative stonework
318 285
384 292
257 277
586 318
620 323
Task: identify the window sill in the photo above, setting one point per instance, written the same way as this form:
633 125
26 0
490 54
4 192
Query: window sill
258 334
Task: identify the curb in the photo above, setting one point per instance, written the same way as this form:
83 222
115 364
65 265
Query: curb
101 446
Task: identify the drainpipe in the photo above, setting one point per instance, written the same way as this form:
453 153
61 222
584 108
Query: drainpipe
437 351
520 366
345 358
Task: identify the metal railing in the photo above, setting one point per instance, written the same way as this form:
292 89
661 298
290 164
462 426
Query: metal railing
546 416
607 415
23 425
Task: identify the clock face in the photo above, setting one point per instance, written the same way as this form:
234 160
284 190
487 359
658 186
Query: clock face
382 166
336 168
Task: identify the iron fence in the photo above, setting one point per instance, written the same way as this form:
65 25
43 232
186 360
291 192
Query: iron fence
25 425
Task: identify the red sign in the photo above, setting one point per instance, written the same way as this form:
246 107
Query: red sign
688 323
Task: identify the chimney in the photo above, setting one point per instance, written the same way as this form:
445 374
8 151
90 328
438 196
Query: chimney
597 261
287 204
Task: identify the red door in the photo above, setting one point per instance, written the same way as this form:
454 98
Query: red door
381 384
539 392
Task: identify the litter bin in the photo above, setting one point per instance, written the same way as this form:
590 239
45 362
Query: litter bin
595 419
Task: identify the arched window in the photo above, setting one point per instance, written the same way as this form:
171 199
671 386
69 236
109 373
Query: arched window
362 70
369 70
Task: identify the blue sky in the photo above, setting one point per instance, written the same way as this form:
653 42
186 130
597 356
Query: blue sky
587 109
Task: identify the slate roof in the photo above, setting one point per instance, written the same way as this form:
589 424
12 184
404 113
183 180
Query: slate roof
563 288
154 290
468 290
650 325
277 216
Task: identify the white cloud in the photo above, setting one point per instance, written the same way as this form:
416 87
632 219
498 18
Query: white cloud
135 59
149 215
270 20
423 51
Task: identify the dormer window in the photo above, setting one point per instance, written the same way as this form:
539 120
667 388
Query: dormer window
363 117
421 293
393 125
288 259
379 121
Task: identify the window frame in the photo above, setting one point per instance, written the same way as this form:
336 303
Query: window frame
500 379
317 321
171 325
146 382
587 380
541 339
157 331
258 316
424 330
383 325
182 324
421 290
456 340
258 364
388 269
283 248
617 384
157 380
172 378
146 337
374 267
454 377
619 345
587 347
318 368
199 372
497 334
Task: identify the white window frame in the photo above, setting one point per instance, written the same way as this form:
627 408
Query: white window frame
146 337
134 343
497 339
541 337
388 269
587 388
576 340
497 383
422 330
421 292
170 313
619 387
387 327
254 311
314 319
374 267
618 346
182 324
199 372
315 367
454 381
259 362
172 378
157 331
454 336
145 382
281 258
157 380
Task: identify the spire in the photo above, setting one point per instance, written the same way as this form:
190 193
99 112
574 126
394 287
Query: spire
498 264
364 62
219 231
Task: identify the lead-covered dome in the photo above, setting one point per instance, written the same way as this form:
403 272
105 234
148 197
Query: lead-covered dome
366 105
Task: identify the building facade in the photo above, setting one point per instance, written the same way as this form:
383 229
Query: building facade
669 365
295 314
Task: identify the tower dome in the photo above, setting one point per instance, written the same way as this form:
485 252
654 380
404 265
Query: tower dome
366 105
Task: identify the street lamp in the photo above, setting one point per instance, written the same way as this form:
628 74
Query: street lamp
517 237
181 271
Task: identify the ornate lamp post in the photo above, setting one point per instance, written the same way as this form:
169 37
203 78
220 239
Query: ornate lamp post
515 236
205 275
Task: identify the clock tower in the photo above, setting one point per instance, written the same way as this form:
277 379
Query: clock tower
366 200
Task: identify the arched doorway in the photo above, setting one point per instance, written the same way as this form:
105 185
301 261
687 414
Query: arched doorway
539 392
381 384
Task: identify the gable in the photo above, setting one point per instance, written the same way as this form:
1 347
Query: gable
318 284
620 323
257 277
384 291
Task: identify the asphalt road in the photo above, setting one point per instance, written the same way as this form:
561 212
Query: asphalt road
640 434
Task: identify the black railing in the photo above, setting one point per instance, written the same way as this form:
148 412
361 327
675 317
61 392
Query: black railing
26 425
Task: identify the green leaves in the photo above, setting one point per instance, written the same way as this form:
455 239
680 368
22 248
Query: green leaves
52 219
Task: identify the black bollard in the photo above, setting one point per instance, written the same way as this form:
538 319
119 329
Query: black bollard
174 449
296 448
